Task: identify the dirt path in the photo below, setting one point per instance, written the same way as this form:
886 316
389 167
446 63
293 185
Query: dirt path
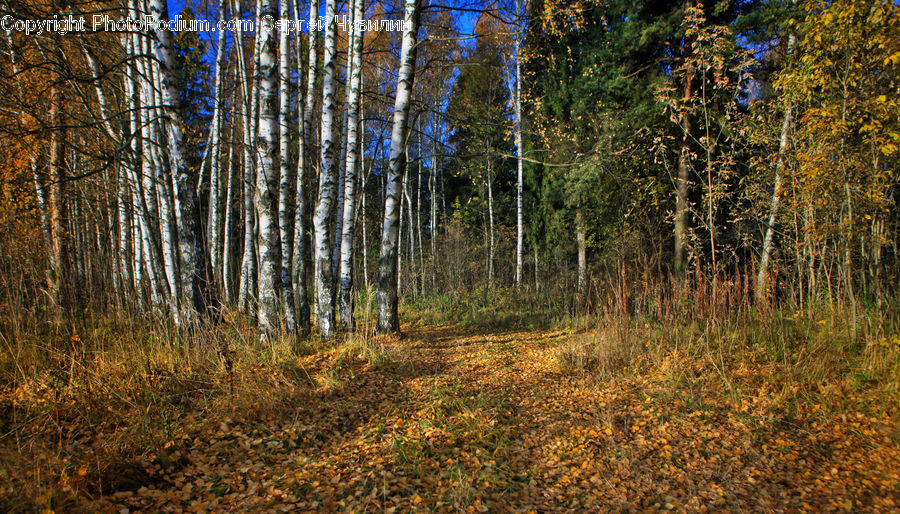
484 422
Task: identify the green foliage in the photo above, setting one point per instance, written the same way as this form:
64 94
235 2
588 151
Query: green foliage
480 132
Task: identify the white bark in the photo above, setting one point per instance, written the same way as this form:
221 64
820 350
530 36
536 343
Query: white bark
215 184
783 141
581 240
288 187
267 173
327 185
155 178
305 117
388 316
342 176
247 286
490 189
232 191
518 112
190 247
353 155
419 218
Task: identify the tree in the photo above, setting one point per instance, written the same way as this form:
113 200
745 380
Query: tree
191 255
345 300
327 184
388 317
479 110
288 188
843 159
267 173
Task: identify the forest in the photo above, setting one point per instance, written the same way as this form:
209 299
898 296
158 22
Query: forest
461 256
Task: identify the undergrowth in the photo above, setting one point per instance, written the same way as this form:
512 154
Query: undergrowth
88 405
811 352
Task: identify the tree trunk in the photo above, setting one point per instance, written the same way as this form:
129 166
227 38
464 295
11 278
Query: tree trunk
59 259
288 188
327 185
191 250
433 201
681 200
215 183
161 186
490 191
388 315
581 238
421 251
365 244
247 287
305 117
267 174
518 112
342 163
763 272
353 152
232 218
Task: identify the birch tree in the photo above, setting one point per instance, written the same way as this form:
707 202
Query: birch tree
345 299
305 119
783 140
327 184
288 187
518 112
215 186
190 241
388 316
246 288
267 173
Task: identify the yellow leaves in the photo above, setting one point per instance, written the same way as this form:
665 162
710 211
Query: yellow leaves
892 59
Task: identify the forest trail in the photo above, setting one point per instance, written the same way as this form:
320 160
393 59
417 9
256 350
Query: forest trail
484 422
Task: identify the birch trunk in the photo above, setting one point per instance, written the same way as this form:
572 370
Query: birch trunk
400 228
156 177
490 189
410 228
191 251
783 141
231 194
342 166
581 240
388 316
246 288
288 187
267 173
353 153
305 117
215 197
365 245
518 112
57 207
419 220
432 183
148 256
327 185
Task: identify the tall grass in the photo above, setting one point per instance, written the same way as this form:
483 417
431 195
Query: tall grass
638 321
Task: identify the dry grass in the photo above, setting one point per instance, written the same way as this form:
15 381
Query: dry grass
116 392
88 406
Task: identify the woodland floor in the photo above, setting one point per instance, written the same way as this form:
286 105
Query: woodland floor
486 422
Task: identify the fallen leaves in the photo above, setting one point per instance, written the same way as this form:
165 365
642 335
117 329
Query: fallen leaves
464 433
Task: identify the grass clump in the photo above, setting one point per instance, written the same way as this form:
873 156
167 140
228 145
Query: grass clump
378 353
596 353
